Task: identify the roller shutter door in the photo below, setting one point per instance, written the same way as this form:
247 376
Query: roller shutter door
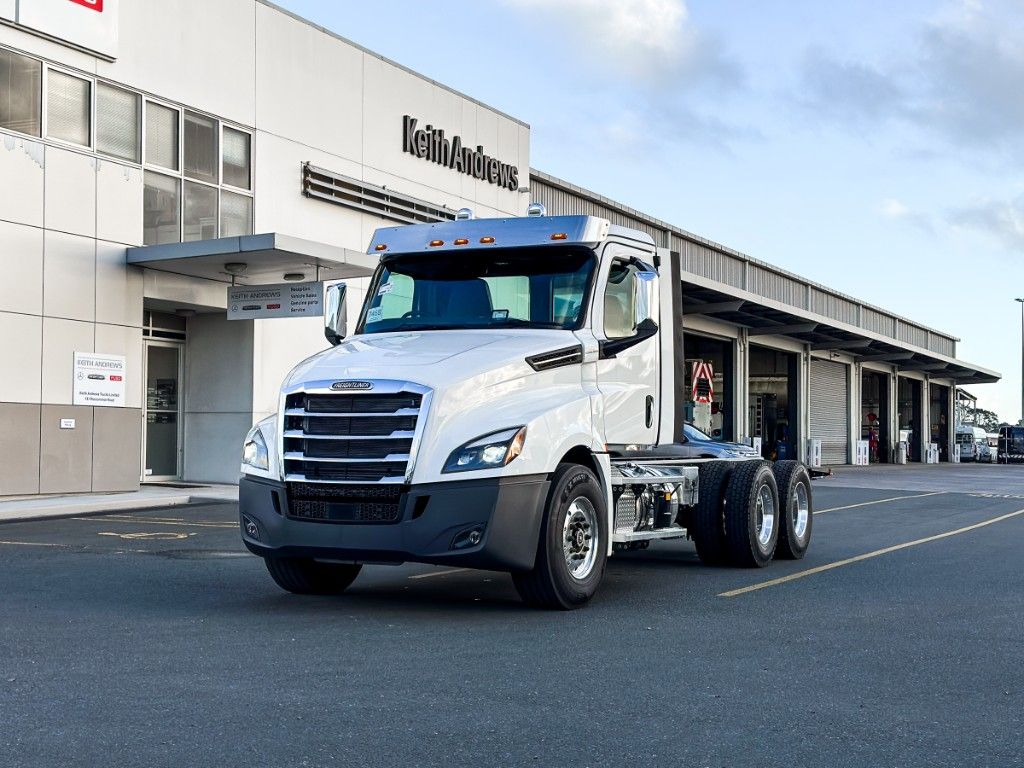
830 410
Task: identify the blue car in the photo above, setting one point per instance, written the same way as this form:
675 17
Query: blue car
702 446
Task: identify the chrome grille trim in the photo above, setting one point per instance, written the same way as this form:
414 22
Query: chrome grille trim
296 472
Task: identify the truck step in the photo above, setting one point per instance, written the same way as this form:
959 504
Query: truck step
627 537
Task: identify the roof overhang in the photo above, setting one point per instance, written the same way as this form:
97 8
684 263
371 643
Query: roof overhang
266 259
766 317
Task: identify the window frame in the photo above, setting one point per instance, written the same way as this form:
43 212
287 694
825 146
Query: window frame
41 136
252 144
45 116
140 122
147 100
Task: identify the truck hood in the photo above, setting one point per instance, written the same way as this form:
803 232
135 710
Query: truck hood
432 358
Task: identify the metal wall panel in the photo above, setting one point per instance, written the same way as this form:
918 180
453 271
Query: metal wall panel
878 322
773 285
913 334
833 306
830 409
712 264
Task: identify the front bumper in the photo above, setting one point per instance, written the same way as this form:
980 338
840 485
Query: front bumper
492 524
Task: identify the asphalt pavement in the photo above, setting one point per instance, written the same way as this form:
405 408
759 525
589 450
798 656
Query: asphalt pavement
154 639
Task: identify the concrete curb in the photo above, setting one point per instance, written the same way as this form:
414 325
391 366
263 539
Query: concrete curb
71 506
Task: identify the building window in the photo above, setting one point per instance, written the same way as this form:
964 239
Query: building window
237 153
235 214
201 151
68 107
117 123
161 201
161 136
200 221
21 93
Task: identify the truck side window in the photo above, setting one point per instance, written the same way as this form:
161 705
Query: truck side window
619 301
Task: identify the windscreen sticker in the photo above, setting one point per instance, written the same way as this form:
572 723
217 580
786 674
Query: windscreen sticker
374 315
499 314
386 288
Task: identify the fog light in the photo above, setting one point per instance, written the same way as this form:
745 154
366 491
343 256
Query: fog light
251 529
468 538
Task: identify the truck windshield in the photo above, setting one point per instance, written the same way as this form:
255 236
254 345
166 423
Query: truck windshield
542 287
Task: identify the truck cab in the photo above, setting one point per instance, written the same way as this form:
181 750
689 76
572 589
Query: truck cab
508 399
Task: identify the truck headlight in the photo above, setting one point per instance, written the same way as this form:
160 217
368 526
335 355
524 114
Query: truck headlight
494 450
254 452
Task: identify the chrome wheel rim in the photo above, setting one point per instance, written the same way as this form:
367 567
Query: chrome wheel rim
765 510
800 511
579 538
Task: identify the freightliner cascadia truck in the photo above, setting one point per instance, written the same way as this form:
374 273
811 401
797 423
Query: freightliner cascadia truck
512 399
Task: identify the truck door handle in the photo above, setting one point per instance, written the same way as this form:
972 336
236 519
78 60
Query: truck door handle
650 411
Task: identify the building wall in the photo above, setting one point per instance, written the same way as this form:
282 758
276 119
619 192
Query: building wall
67 216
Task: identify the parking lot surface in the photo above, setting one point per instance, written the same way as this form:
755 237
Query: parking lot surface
154 639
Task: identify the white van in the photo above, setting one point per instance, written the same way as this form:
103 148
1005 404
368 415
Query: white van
972 442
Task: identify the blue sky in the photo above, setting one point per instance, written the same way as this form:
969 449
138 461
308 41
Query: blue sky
876 147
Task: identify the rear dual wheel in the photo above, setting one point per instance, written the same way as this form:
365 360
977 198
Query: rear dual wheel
794 483
751 515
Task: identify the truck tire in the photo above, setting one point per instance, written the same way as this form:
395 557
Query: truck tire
573 543
708 532
751 515
797 511
305 576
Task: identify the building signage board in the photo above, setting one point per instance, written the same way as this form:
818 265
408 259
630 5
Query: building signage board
432 145
89 24
259 302
99 379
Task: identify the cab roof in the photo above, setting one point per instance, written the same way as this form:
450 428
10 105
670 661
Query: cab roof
516 232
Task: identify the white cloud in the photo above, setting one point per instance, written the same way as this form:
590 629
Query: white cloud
1002 220
897 210
894 209
647 40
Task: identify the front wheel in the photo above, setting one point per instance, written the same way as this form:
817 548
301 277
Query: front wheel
305 576
573 544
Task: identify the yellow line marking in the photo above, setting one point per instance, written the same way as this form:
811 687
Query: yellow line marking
154 521
437 573
858 558
31 544
879 501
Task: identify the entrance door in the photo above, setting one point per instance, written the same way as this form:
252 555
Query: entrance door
161 453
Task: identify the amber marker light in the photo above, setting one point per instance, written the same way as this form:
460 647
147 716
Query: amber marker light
461 241
487 240
559 236
381 247
435 243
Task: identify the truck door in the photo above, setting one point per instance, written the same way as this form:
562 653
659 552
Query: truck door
626 325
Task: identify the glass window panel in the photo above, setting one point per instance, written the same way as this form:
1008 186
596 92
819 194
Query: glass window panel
200 212
235 214
67 108
161 136
237 158
21 93
200 147
117 122
161 206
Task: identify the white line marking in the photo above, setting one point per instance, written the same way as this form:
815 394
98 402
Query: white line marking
154 521
438 573
31 544
879 501
865 556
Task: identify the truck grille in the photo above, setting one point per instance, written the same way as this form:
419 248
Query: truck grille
345 503
349 437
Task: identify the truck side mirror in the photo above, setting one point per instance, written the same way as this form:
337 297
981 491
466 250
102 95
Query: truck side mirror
645 299
335 313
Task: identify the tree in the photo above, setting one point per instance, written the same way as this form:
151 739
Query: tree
981 417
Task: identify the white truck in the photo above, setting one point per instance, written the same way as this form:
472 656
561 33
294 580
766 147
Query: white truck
511 399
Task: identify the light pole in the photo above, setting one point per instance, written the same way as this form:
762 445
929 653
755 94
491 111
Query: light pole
1021 302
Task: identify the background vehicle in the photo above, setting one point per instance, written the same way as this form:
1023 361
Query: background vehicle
1011 445
992 439
972 442
511 400
700 445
